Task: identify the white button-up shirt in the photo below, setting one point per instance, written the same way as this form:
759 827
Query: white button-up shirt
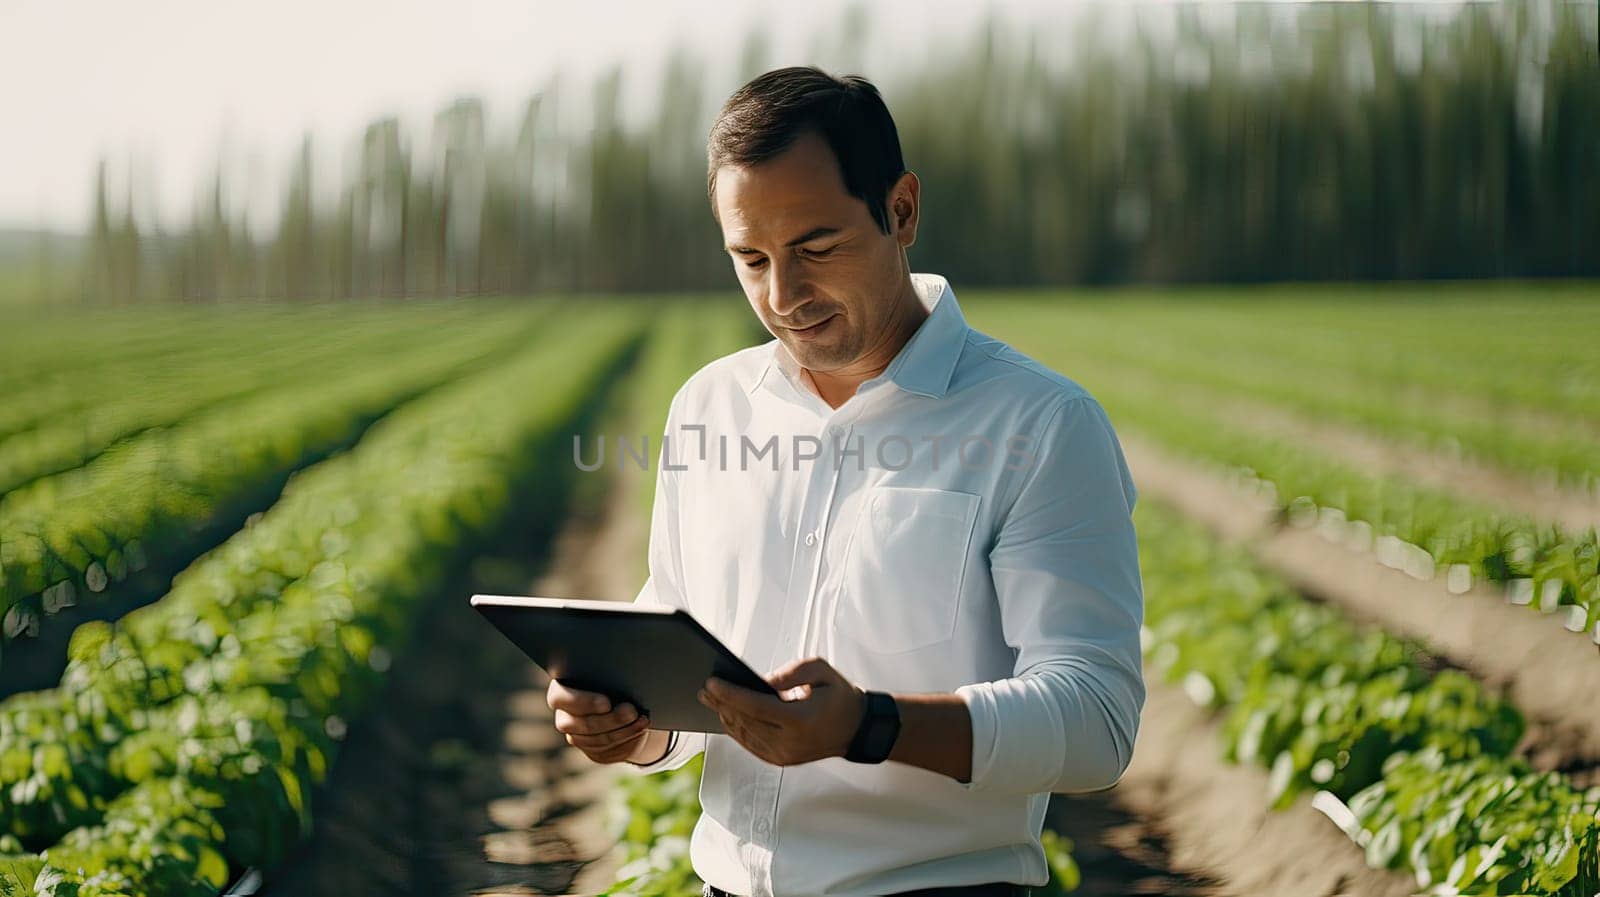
961 524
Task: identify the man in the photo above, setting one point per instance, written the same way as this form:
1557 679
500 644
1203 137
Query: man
828 494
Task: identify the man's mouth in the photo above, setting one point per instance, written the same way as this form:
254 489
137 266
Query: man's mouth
813 330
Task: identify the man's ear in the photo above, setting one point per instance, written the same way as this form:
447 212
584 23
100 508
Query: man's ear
904 206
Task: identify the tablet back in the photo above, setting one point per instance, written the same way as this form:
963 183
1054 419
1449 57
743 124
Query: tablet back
654 658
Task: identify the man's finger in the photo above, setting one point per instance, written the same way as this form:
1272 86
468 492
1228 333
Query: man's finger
576 700
798 693
601 740
593 724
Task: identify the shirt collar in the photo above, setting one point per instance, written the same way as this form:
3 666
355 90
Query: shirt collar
924 365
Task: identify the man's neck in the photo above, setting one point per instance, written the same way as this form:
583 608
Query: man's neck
836 389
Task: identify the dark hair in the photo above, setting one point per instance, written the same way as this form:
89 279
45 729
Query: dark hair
764 117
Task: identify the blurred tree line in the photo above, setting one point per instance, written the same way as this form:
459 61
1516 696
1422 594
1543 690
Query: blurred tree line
1240 143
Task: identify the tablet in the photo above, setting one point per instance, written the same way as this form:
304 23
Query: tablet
655 658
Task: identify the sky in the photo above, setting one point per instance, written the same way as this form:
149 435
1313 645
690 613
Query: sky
168 87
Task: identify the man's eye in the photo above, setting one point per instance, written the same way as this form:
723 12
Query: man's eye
817 253
755 263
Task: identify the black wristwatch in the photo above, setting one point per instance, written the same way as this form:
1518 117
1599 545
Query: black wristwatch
880 726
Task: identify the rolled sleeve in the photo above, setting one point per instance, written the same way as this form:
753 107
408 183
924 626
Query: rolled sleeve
664 588
1066 573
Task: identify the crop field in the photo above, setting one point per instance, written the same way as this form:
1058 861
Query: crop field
236 544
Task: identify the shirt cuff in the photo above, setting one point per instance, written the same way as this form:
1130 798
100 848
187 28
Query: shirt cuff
979 698
1021 726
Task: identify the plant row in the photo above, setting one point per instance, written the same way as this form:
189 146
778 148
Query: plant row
234 691
1366 718
1569 454
51 427
1485 427
1427 532
47 345
1486 346
70 537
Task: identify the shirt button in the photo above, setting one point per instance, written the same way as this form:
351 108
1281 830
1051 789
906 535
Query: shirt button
761 827
811 538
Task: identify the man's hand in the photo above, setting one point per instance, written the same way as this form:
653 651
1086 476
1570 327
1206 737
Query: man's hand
604 733
815 715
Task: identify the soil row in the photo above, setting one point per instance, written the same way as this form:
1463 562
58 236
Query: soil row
1548 672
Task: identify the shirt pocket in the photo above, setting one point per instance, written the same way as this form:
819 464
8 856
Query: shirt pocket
902 572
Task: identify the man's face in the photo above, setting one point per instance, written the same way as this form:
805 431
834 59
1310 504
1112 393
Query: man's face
808 253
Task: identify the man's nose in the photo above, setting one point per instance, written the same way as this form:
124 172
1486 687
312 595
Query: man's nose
786 289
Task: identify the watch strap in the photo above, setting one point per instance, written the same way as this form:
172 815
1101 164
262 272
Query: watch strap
878 730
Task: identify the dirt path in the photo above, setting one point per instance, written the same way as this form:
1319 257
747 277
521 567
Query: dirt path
597 556
1121 853
1551 674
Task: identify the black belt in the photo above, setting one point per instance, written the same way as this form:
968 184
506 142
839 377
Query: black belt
990 889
